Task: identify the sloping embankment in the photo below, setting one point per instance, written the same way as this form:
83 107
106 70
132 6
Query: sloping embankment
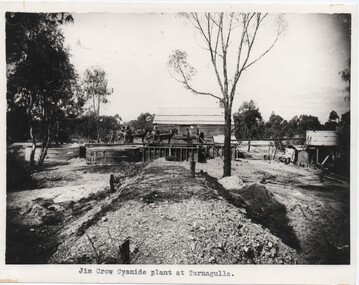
169 218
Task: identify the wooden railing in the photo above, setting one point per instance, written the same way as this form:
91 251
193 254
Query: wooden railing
180 153
184 153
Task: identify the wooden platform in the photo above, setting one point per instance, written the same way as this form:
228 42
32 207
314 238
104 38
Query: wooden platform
113 154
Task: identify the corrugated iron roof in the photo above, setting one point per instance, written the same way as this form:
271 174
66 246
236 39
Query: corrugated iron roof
189 116
322 138
189 119
190 111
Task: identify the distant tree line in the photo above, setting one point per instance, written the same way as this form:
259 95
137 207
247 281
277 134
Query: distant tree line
250 125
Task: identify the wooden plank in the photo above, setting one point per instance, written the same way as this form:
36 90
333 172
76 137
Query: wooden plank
317 159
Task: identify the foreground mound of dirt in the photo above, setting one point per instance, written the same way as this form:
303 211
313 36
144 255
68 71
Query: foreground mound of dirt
169 218
259 201
263 208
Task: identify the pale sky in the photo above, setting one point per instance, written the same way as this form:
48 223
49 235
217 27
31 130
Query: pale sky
298 76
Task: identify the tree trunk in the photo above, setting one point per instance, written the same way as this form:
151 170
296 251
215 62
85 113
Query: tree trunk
98 117
33 148
98 131
227 142
33 139
44 147
57 131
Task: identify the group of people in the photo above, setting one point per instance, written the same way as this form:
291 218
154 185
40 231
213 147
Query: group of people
199 136
126 134
124 131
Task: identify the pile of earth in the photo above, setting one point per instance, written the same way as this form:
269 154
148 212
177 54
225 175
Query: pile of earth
169 218
263 208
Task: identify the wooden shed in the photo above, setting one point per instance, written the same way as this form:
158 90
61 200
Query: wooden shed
320 144
210 121
297 154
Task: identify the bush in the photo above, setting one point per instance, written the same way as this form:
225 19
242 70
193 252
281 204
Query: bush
18 173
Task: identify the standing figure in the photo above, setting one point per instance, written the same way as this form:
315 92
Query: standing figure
188 136
111 136
197 135
155 132
128 134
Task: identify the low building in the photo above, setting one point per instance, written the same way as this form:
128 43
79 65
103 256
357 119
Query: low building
297 154
320 144
210 121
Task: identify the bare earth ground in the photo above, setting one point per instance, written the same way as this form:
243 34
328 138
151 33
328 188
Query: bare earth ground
170 218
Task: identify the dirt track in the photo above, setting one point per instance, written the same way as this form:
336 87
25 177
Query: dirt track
170 218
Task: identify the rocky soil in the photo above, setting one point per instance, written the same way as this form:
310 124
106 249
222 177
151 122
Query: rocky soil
266 213
316 218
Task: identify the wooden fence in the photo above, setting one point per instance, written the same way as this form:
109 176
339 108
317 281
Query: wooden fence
180 153
185 153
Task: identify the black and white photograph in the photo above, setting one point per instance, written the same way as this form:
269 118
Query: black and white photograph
179 138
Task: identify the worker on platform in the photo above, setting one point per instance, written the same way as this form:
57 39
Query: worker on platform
197 135
188 136
129 133
155 132
111 136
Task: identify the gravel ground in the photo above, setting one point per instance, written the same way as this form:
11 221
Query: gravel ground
318 212
265 213
172 219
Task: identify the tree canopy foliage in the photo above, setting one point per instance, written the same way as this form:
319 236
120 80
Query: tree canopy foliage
144 121
248 121
40 77
96 92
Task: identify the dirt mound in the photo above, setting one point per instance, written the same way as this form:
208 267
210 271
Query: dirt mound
163 181
263 208
170 218
260 202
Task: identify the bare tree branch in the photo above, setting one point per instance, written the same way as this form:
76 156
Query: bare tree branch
229 30
263 54
188 86
214 51
250 45
214 63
